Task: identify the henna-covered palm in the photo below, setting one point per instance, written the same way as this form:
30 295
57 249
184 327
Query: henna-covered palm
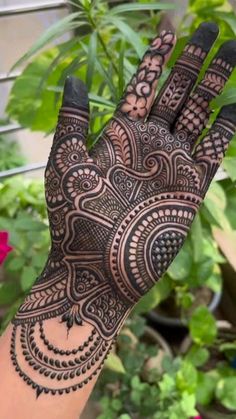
120 214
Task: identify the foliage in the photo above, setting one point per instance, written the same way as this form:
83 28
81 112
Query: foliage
10 153
214 357
174 387
202 326
23 215
167 392
95 54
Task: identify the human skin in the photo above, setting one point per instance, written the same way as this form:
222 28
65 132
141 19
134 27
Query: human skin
118 216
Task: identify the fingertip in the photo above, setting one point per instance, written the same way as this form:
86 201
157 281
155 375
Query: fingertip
75 93
228 112
227 52
205 35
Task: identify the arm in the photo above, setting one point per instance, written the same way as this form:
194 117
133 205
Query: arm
118 216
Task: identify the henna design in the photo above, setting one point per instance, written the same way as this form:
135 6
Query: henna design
184 75
195 114
140 91
119 215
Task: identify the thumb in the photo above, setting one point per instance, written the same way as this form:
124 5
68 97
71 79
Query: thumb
75 95
74 113
69 143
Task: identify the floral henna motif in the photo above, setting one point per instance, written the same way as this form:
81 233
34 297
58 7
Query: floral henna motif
119 215
140 92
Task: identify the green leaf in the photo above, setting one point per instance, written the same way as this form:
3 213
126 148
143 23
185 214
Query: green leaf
225 392
10 314
39 260
68 23
202 326
197 355
101 102
181 266
186 378
116 404
229 350
30 106
27 223
196 238
215 202
63 50
206 387
167 384
214 281
228 17
187 404
121 81
114 363
130 7
130 35
107 77
9 292
226 98
157 293
198 6
204 270
28 278
229 164
92 52
16 264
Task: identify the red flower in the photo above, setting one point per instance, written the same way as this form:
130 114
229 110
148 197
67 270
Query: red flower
4 247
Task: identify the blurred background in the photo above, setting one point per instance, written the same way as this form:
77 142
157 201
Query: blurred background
176 356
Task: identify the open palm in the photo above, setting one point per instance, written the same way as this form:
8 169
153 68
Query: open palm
120 213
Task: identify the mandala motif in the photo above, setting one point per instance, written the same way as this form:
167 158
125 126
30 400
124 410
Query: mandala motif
80 180
70 152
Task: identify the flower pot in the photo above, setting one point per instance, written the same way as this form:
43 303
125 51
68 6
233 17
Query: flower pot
215 412
161 318
152 337
228 301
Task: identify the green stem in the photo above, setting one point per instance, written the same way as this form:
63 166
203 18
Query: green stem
107 53
103 44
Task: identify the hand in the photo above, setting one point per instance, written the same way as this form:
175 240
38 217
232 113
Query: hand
119 215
